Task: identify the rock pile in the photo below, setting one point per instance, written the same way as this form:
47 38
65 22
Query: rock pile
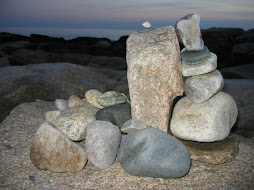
206 114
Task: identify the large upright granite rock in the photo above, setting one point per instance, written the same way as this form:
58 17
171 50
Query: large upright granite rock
154 75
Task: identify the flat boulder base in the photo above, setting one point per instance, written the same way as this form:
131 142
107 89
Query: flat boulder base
151 152
202 87
72 122
102 142
188 32
117 114
154 75
214 153
206 122
53 151
19 128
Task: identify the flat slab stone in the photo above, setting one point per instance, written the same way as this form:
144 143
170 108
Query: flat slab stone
214 153
200 66
154 75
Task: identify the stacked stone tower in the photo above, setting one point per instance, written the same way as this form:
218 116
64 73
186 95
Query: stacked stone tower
206 114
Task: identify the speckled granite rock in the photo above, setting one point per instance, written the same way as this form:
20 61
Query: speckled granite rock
117 114
91 97
215 153
205 122
102 143
75 101
51 116
53 151
18 172
154 75
202 87
188 32
72 122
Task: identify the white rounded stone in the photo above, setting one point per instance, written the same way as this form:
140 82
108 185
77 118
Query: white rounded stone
206 122
146 24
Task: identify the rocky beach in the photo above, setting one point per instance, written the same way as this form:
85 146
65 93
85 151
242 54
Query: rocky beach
49 87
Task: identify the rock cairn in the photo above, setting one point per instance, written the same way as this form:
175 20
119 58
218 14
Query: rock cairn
104 126
206 114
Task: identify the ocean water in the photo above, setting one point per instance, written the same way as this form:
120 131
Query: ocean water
69 33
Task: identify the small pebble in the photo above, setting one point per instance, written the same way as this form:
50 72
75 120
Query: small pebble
74 101
61 104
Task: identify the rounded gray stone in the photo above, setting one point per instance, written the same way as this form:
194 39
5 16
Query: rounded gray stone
61 104
111 98
133 125
102 142
195 57
202 87
72 122
51 116
151 152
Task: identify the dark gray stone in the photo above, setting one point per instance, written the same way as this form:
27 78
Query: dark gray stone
151 152
116 114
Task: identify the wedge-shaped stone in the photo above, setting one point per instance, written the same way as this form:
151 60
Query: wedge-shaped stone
53 151
154 75
206 122
188 32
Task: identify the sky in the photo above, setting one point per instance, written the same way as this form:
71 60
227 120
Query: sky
124 14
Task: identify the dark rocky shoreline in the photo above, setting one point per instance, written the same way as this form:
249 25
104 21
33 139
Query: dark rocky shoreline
233 46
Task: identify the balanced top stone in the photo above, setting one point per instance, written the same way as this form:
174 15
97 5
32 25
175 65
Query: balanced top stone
188 32
154 75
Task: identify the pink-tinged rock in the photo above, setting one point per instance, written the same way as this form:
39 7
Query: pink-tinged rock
215 152
154 75
51 150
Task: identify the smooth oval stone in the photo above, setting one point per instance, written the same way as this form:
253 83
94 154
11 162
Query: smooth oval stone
188 32
111 98
91 97
61 104
53 151
202 87
75 101
205 122
133 125
72 122
117 114
102 142
151 152
51 116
